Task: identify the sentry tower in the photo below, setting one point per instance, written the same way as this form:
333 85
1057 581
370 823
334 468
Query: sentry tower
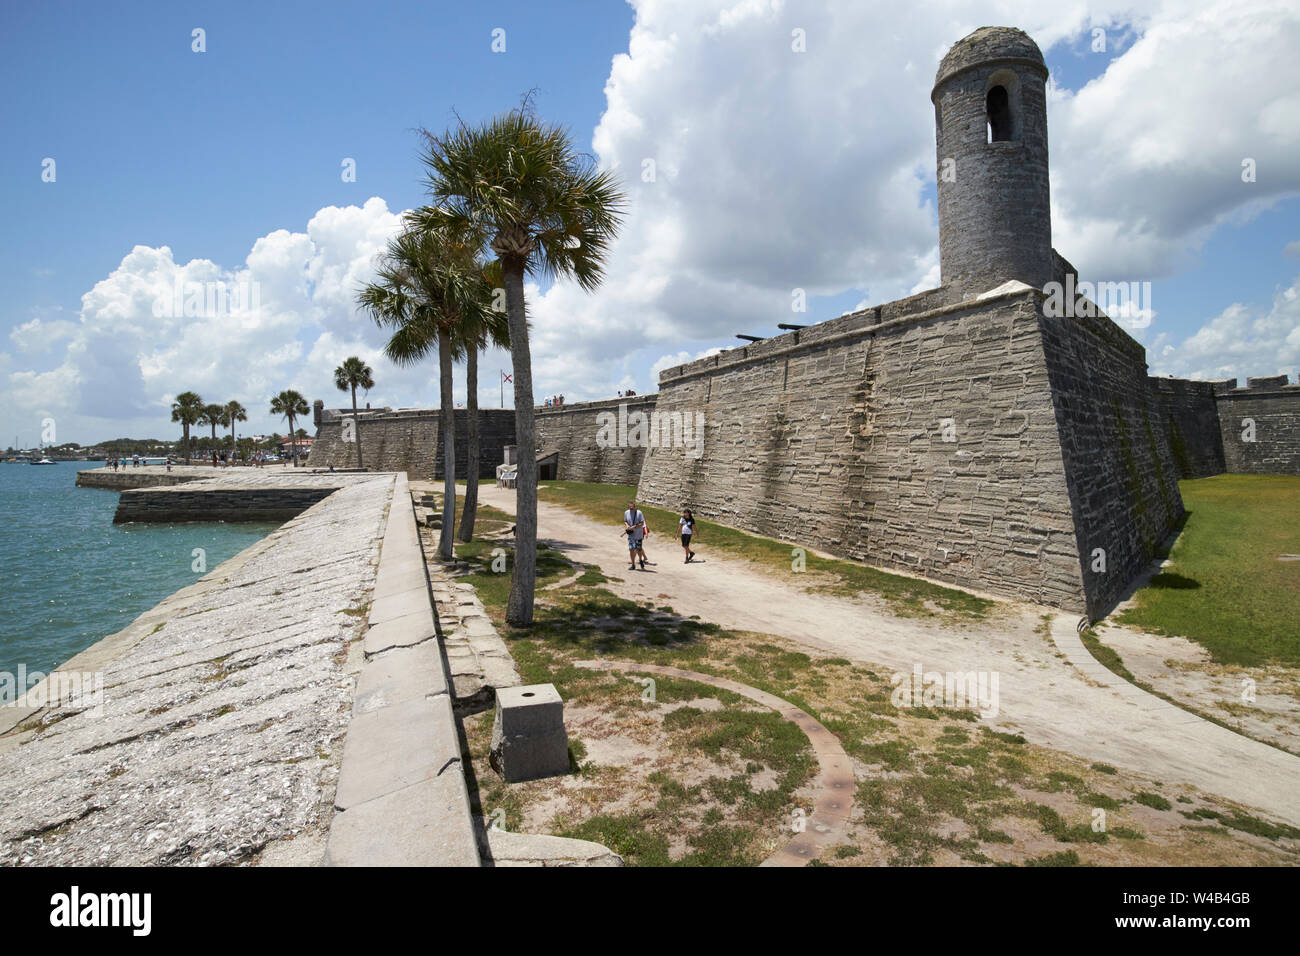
990 114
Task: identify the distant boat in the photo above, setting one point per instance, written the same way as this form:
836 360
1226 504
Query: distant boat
43 461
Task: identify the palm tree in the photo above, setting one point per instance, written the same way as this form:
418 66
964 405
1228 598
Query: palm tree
213 415
234 412
354 374
547 210
429 282
492 330
290 404
187 409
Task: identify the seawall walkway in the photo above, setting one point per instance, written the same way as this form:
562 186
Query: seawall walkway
252 717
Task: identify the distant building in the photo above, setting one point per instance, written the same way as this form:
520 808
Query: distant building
302 445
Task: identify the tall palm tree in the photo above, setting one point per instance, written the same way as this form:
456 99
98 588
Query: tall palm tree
186 409
213 415
290 404
427 283
354 374
546 210
492 329
234 412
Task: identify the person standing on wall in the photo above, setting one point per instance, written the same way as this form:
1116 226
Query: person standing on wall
686 525
634 528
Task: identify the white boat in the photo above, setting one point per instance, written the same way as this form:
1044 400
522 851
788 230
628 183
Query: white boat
43 461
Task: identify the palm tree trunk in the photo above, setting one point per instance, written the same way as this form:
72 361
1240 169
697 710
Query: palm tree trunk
356 425
472 451
447 426
187 444
293 442
519 608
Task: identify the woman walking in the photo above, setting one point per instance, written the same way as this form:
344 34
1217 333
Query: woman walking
686 525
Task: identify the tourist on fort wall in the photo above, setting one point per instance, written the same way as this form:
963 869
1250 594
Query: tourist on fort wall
635 529
686 525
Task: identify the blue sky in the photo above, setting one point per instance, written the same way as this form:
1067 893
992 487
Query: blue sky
776 172
159 145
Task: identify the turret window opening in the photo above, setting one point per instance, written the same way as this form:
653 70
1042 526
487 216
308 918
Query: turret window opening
1001 125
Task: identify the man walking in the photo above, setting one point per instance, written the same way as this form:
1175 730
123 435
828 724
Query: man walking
634 528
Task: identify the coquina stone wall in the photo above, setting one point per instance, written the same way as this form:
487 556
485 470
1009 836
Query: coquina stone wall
1273 407
1120 470
574 434
1216 427
918 436
407 440
1190 417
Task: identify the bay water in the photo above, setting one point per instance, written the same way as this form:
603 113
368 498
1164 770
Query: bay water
69 576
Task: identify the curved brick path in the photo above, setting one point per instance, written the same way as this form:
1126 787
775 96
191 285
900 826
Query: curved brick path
827 824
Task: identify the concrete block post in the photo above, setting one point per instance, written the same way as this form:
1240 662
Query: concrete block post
528 737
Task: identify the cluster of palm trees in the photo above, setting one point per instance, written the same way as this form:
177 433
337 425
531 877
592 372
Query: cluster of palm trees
189 409
514 188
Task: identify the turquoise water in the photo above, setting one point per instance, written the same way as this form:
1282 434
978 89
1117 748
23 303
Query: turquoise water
70 576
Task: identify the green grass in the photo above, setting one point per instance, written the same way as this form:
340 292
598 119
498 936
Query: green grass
1153 800
606 504
925 768
1226 590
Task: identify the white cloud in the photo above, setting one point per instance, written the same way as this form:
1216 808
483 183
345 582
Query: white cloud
41 335
1147 158
138 342
775 170
772 170
680 358
1238 343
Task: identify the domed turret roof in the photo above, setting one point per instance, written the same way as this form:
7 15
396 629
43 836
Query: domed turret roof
986 45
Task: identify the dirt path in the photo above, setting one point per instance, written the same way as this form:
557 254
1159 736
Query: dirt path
1041 694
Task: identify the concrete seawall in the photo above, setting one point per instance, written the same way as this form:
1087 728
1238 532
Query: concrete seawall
218 494
252 717
157 476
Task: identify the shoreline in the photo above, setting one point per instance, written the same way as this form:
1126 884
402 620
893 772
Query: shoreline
223 711
110 647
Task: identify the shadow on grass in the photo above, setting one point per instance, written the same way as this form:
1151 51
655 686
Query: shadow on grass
1174 582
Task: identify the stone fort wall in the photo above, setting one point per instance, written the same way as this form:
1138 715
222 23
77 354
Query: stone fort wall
571 432
1216 427
1119 466
407 440
1273 406
918 436
1190 417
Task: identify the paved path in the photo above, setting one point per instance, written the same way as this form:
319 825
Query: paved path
1047 691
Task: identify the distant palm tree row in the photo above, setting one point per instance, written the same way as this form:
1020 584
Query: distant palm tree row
189 409
517 188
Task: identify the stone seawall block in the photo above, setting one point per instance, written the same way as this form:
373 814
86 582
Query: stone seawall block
402 799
